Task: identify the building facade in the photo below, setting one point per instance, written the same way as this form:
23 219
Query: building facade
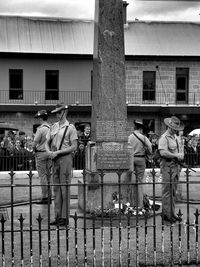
45 61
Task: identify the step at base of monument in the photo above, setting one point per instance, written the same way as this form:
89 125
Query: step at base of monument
94 191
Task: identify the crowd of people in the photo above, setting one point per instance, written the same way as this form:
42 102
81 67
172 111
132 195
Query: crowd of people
191 147
16 152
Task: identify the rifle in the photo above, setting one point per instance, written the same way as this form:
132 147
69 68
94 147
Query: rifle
175 160
182 164
157 156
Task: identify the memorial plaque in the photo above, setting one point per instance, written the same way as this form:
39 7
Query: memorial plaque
113 159
111 130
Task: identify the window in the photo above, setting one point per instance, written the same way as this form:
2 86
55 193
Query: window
16 84
149 85
182 77
52 84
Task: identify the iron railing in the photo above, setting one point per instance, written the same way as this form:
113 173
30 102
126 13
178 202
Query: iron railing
21 162
120 236
35 97
133 97
161 98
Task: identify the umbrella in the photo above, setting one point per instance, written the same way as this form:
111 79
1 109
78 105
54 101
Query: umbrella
195 132
7 126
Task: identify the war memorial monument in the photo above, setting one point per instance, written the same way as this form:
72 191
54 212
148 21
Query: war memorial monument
108 153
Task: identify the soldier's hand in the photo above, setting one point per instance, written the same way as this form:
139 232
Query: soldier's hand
180 156
53 155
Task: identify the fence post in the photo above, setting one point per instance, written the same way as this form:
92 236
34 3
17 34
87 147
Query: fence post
39 219
12 214
30 175
21 220
188 216
3 240
197 235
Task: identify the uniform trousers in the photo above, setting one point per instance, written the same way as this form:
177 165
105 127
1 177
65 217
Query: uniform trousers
170 177
43 165
62 167
139 168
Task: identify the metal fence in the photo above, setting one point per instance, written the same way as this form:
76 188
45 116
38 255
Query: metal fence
23 162
118 236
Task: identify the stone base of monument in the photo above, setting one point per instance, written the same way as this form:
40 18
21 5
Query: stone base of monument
98 189
96 192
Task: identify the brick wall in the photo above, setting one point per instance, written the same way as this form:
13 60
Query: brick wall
167 69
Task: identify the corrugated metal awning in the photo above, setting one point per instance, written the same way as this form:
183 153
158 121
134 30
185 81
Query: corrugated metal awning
162 38
37 35
62 36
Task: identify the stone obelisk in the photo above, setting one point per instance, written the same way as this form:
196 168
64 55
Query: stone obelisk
109 111
109 150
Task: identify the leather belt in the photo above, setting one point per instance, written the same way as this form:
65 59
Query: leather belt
168 160
139 156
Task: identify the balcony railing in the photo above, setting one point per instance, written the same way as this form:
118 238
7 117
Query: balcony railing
84 98
161 98
39 97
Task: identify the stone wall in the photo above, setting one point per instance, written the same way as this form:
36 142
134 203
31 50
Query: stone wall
167 69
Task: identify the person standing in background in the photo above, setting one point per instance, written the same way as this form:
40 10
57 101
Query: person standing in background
43 163
22 137
18 155
85 136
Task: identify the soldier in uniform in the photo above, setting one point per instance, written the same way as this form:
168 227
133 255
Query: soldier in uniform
61 143
138 141
171 154
43 162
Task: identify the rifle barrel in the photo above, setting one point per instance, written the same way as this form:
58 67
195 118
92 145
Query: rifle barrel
185 166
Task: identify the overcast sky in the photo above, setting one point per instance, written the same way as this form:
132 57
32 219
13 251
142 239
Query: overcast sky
143 10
